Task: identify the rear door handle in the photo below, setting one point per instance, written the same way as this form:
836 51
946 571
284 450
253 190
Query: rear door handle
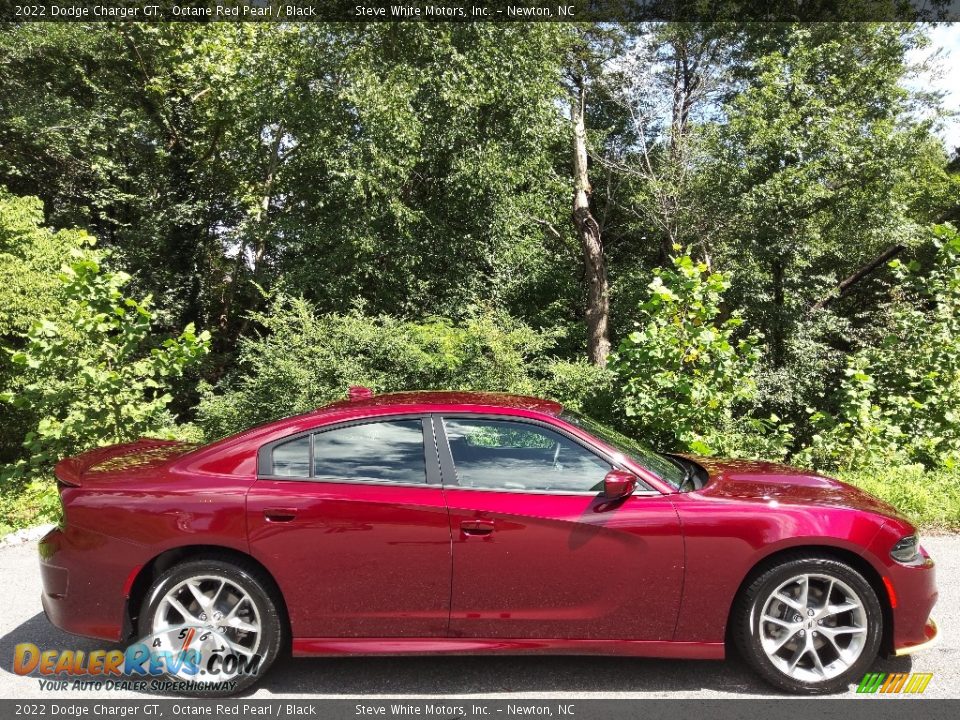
475 528
279 514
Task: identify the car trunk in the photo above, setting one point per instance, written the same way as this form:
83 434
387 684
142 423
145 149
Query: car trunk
114 462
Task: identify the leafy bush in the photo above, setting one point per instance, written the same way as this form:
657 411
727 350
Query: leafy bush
28 503
579 385
686 379
930 498
899 400
30 258
94 375
302 359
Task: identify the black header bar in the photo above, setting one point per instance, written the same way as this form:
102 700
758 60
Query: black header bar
476 10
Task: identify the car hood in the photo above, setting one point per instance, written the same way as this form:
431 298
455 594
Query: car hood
757 480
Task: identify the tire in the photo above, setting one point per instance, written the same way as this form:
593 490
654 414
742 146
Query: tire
240 618
785 639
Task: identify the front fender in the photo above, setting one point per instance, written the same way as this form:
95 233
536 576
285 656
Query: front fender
725 540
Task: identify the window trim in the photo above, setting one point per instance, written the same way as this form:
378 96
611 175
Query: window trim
428 436
448 467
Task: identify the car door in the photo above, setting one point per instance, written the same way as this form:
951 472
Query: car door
538 551
352 521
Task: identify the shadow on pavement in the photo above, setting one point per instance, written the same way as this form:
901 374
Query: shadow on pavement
457 675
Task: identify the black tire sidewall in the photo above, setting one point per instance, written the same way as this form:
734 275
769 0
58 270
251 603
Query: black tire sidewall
249 580
757 593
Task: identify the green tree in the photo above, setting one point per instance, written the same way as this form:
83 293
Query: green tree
898 399
302 359
818 165
686 379
94 374
408 166
30 258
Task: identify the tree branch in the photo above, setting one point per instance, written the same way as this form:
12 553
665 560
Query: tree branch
843 287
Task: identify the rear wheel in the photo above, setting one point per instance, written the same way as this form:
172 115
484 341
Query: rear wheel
809 625
218 621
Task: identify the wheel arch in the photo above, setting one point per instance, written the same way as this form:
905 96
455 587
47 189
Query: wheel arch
848 557
169 558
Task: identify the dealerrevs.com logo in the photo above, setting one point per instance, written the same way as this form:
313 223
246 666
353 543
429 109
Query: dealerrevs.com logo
179 659
887 683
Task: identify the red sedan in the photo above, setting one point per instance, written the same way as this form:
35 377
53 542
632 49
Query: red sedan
447 522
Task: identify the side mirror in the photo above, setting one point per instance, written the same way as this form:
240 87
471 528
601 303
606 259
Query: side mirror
618 484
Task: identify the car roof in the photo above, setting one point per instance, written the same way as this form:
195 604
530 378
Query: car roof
448 399
233 450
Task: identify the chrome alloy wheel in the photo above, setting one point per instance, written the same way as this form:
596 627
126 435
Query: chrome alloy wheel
211 614
813 627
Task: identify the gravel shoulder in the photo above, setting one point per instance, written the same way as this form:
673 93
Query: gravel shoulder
22 620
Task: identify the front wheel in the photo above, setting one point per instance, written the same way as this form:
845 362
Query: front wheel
216 621
809 625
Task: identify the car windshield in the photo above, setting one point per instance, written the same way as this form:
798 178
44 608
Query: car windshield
661 465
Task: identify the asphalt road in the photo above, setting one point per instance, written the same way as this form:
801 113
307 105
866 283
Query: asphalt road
22 620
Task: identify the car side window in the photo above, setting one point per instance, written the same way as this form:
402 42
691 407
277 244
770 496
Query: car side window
510 455
292 458
390 451
384 451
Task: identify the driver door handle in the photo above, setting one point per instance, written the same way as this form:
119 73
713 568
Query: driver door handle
279 514
476 528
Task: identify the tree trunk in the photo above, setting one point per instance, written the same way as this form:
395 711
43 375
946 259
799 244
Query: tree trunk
688 56
274 160
257 228
588 230
778 334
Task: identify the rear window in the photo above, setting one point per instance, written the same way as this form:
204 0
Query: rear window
292 459
385 451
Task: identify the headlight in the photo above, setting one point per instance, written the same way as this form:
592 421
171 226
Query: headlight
907 549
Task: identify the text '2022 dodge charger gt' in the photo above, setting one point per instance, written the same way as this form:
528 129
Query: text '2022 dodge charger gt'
449 522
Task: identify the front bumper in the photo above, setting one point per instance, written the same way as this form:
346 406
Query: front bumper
932 638
914 589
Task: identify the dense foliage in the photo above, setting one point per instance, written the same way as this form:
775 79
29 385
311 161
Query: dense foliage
30 258
300 359
682 371
898 400
95 374
394 205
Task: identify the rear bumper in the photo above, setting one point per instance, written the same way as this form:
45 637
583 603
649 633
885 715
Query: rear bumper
83 582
